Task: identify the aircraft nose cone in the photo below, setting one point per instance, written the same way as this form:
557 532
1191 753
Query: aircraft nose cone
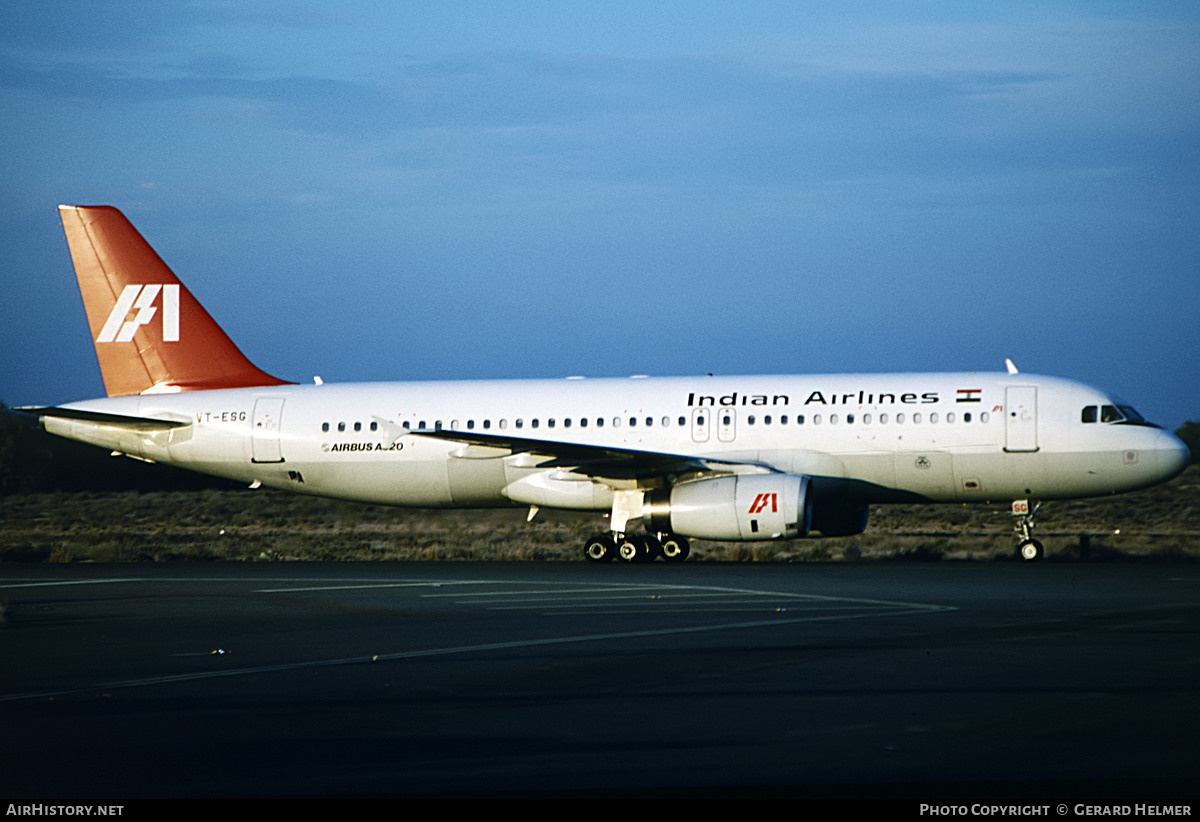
1174 456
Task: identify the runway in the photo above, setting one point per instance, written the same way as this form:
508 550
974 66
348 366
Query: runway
458 678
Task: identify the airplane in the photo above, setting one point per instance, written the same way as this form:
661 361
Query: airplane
733 458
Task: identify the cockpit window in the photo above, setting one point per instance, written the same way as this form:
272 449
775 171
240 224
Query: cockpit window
1113 414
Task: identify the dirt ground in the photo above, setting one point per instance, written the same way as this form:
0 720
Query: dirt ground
263 525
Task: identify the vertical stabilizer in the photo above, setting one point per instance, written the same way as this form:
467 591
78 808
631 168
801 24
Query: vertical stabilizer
150 333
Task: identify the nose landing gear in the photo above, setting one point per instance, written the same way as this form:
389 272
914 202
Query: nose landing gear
1028 548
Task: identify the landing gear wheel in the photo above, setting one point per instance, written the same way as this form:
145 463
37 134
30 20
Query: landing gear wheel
639 548
600 548
1030 550
675 549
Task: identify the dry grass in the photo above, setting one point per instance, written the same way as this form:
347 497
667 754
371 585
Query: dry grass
263 525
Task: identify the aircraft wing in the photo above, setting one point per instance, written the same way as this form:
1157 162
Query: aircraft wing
114 420
596 460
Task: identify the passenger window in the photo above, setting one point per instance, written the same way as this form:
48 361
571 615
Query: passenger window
374 426
750 419
583 422
520 423
933 417
883 419
833 419
324 426
549 422
849 419
682 421
799 419
470 425
487 424
866 419
341 426
534 423
783 419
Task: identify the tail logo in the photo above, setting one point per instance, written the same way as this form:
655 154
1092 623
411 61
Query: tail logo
120 328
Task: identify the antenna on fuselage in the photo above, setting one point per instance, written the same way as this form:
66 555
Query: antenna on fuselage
1012 369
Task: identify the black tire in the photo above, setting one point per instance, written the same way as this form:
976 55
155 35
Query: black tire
675 549
637 548
1030 550
600 548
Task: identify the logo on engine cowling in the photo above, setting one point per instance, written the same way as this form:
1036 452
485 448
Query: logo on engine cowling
762 501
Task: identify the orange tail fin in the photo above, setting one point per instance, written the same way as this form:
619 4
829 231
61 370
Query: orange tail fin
151 334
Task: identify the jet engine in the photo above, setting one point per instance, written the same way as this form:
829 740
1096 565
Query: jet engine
740 507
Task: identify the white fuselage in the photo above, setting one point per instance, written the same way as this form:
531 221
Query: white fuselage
862 438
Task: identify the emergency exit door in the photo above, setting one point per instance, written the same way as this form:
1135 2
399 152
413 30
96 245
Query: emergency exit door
265 434
1020 418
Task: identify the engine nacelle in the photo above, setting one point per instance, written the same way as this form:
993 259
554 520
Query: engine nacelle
740 507
840 519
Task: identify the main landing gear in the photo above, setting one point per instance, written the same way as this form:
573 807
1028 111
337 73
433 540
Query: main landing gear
629 504
1028 548
636 547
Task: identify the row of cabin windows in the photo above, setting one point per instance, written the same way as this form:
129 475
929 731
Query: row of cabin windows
455 425
648 422
348 426
864 419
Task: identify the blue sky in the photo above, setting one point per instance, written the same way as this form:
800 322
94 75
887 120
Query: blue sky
377 190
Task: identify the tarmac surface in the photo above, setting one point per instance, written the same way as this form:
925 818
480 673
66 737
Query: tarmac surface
1059 681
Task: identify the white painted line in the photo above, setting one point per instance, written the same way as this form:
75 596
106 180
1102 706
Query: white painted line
465 596
418 584
69 582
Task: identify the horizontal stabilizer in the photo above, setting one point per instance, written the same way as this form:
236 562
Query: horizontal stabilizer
113 420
